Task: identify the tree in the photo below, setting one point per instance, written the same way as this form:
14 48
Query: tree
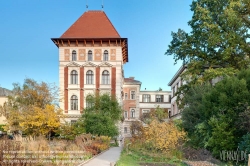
31 108
163 136
213 113
101 115
192 114
217 45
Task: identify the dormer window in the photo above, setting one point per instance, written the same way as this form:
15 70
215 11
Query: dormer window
73 55
105 56
90 56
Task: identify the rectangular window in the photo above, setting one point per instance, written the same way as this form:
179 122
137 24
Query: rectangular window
125 130
174 91
169 99
73 121
145 111
146 98
159 98
132 95
125 114
126 96
132 113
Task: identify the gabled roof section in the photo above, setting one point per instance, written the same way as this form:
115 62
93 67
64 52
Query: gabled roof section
105 64
89 64
73 64
92 24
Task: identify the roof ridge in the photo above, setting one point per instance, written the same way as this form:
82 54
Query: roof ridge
88 26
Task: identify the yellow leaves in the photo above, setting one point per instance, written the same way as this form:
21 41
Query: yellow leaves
164 136
40 121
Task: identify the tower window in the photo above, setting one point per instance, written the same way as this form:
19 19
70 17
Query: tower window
74 77
105 55
105 77
74 102
73 55
90 77
90 56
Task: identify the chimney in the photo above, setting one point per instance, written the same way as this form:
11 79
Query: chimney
132 78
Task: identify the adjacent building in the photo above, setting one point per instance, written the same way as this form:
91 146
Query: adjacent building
4 93
137 102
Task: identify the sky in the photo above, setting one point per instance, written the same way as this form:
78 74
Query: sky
26 29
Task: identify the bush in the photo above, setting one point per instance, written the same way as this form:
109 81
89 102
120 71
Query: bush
244 145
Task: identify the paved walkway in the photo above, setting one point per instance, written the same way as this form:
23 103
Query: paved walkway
104 159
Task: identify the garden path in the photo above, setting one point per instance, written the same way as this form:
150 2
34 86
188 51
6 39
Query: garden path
104 159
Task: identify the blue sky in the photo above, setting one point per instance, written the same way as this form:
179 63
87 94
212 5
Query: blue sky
27 27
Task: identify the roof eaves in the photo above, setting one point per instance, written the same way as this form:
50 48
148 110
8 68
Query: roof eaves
177 74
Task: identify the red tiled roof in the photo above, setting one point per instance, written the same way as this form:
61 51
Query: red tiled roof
131 80
92 24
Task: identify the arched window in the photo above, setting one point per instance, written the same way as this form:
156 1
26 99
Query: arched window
105 77
90 57
90 77
73 55
74 102
132 113
74 77
105 55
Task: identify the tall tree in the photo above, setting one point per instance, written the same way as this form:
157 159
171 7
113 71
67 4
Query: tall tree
218 41
30 108
101 115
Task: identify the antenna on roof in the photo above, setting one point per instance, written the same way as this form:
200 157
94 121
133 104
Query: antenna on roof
87 5
102 5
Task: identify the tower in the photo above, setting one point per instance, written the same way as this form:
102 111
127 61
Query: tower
91 59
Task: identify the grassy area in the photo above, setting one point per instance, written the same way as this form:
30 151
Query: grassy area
127 160
138 159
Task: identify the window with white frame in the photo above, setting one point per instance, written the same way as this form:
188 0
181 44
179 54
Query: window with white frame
74 77
125 130
74 102
72 121
90 56
132 95
132 113
105 77
159 98
125 114
126 96
145 98
145 111
74 55
105 55
90 77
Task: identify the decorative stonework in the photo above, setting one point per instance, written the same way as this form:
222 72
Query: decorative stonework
113 54
66 54
82 54
98 53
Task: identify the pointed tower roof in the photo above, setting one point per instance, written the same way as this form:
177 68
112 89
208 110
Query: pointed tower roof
92 24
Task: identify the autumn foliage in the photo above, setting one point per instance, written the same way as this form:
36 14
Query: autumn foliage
31 108
163 136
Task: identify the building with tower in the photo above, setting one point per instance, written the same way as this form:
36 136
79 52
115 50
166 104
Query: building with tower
91 59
